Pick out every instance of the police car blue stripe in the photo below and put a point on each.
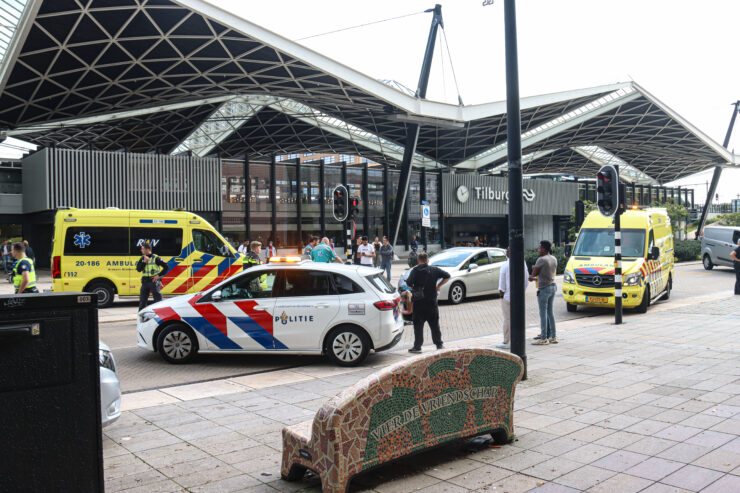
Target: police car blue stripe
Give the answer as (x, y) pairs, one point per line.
(256, 332)
(211, 332)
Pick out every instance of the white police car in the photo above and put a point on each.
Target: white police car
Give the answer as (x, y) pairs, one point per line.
(287, 306)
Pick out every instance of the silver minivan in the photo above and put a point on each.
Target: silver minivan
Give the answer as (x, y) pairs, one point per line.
(716, 245)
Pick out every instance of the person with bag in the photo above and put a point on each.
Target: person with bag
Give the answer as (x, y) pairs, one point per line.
(152, 268)
(424, 282)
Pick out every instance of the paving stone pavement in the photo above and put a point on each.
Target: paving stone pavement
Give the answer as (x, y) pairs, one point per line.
(652, 405)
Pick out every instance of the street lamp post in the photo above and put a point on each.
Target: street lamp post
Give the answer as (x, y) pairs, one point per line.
(516, 214)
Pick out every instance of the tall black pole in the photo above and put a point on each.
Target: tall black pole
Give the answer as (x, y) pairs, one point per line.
(516, 206)
(299, 201)
(247, 199)
(618, 254)
(322, 196)
(273, 202)
(717, 173)
(412, 135)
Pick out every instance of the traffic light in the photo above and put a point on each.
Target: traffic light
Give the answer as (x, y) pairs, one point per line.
(340, 203)
(607, 190)
(354, 207)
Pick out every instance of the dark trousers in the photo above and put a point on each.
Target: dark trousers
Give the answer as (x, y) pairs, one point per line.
(426, 311)
(737, 278)
(148, 286)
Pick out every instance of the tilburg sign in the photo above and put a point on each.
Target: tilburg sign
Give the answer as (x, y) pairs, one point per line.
(490, 193)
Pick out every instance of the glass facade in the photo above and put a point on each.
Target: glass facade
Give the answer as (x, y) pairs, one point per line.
(288, 192)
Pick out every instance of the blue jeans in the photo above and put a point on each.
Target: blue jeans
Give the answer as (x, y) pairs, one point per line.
(7, 263)
(386, 266)
(546, 299)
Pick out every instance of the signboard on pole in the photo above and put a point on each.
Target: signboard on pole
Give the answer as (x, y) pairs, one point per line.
(426, 217)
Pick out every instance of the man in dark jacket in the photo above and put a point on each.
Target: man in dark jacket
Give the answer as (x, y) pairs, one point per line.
(152, 268)
(423, 281)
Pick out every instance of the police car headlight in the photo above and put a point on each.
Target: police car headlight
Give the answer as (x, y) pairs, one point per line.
(106, 360)
(146, 316)
(568, 277)
(632, 279)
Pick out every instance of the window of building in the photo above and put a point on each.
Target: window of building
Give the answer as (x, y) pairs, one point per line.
(346, 158)
(329, 159)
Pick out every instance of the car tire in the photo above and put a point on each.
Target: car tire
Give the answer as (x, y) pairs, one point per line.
(571, 307)
(105, 291)
(457, 293)
(347, 345)
(643, 306)
(177, 344)
(707, 262)
(669, 286)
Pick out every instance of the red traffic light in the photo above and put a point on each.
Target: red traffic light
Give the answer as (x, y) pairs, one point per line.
(603, 177)
(355, 202)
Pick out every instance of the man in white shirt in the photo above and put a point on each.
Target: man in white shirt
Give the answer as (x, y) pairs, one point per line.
(244, 248)
(366, 252)
(504, 288)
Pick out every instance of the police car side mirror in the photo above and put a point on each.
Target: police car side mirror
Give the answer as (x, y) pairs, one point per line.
(472, 266)
(216, 295)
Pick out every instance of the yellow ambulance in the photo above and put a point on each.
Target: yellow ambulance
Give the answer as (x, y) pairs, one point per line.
(647, 261)
(96, 250)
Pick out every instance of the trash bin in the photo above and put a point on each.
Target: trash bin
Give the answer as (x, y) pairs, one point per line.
(50, 393)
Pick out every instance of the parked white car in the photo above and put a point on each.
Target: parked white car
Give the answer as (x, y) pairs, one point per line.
(110, 387)
(474, 271)
(342, 311)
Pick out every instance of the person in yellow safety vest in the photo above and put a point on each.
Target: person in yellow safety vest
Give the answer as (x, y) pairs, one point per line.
(24, 272)
(253, 259)
(152, 268)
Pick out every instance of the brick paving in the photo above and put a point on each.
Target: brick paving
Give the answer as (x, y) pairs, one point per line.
(653, 405)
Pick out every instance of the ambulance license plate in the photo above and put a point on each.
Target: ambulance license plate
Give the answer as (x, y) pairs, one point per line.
(596, 299)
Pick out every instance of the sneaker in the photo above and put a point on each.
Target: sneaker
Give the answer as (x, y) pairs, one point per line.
(440, 346)
(415, 350)
(553, 340)
(541, 342)
(537, 338)
(503, 345)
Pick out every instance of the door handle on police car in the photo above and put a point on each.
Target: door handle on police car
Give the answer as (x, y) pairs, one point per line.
(259, 308)
(321, 305)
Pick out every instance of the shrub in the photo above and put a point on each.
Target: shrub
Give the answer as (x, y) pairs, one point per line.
(685, 250)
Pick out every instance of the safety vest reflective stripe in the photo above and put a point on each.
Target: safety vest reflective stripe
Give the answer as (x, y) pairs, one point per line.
(18, 278)
(151, 268)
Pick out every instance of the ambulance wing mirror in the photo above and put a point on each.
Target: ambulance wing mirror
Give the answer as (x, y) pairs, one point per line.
(568, 250)
(216, 295)
(654, 253)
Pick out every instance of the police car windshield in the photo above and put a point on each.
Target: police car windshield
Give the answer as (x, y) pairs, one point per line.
(599, 242)
(449, 259)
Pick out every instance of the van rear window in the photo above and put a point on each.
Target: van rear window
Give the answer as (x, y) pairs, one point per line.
(83, 240)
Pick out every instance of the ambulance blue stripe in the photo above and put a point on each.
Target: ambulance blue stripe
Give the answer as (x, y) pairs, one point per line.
(151, 221)
(210, 332)
(185, 253)
(256, 332)
(205, 258)
(225, 264)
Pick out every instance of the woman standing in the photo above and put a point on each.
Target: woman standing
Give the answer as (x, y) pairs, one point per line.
(376, 245)
(386, 258)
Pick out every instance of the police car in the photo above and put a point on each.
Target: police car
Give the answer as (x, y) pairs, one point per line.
(288, 306)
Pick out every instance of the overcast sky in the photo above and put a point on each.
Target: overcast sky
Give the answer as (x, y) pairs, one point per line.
(684, 53)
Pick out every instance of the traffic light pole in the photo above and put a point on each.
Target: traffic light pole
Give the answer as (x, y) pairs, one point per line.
(516, 205)
(618, 264)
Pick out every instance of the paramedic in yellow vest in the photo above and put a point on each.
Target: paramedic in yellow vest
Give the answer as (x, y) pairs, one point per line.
(24, 272)
(152, 268)
(252, 260)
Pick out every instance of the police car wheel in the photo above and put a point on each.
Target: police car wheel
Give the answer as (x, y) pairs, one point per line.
(707, 261)
(347, 346)
(105, 292)
(457, 293)
(177, 344)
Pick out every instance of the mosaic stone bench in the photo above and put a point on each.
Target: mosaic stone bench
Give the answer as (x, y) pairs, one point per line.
(414, 405)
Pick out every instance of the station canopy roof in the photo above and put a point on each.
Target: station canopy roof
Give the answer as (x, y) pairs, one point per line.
(172, 76)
